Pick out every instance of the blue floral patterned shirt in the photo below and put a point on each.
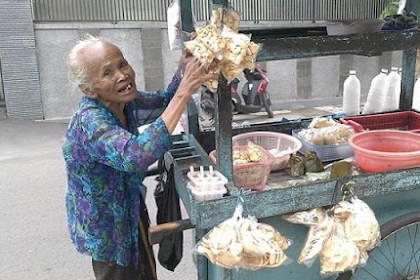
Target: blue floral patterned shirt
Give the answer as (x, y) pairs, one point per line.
(106, 165)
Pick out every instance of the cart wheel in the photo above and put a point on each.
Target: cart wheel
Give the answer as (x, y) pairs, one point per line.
(398, 256)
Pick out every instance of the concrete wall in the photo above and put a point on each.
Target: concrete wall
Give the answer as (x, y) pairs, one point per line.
(319, 81)
(293, 83)
(146, 48)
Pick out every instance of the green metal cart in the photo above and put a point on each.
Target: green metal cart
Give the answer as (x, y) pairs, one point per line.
(394, 196)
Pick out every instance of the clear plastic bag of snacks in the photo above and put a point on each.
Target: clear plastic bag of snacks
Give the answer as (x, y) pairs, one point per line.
(225, 17)
(243, 243)
(263, 246)
(310, 217)
(221, 245)
(320, 226)
(340, 236)
(338, 252)
(360, 225)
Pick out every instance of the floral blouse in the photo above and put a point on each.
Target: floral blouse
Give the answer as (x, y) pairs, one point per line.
(106, 165)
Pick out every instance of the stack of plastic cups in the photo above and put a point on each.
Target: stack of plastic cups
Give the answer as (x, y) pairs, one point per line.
(377, 93)
(392, 99)
(416, 96)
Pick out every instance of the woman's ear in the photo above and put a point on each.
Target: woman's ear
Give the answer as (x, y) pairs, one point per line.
(87, 91)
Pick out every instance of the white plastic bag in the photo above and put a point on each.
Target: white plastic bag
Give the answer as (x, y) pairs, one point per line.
(174, 26)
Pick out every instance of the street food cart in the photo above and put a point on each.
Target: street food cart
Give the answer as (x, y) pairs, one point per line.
(394, 196)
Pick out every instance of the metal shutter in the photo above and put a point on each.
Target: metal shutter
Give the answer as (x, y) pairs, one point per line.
(19, 62)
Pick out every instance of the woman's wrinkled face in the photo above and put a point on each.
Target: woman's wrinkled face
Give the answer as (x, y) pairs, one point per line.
(112, 78)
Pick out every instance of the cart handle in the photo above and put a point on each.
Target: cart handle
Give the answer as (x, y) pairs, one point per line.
(158, 232)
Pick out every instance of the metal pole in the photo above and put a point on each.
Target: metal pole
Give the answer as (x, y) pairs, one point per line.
(186, 17)
(224, 129)
(187, 25)
(202, 262)
(313, 11)
(407, 78)
(413, 6)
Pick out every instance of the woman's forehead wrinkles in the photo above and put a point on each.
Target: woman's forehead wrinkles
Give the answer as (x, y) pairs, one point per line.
(98, 57)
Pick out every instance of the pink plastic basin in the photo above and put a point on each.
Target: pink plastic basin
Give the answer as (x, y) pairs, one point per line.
(382, 150)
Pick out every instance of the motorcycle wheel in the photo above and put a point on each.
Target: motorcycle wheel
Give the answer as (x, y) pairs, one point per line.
(266, 102)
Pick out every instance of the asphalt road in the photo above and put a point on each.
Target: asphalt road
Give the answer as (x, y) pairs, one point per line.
(34, 243)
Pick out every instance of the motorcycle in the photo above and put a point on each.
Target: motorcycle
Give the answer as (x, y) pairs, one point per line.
(252, 98)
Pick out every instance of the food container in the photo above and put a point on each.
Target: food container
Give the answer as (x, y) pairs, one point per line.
(325, 152)
(207, 180)
(205, 185)
(201, 195)
(406, 120)
(279, 145)
(383, 150)
(251, 175)
(345, 27)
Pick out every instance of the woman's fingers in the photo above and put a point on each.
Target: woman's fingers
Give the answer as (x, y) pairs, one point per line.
(193, 35)
(197, 74)
(185, 58)
(212, 76)
(192, 65)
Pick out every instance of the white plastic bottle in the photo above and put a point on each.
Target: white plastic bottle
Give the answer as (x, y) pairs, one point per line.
(351, 95)
(416, 96)
(377, 92)
(392, 99)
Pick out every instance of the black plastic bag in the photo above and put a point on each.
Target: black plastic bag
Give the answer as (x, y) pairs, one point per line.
(168, 210)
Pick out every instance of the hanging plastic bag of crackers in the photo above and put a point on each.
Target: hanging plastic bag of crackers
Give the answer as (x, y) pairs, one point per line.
(240, 53)
(209, 47)
(338, 252)
(243, 243)
(263, 246)
(221, 245)
(320, 226)
(225, 17)
(360, 225)
(326, 238)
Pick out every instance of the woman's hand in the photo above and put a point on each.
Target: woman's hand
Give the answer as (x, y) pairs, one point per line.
(194, 76)
(185, 58)
(186, 55)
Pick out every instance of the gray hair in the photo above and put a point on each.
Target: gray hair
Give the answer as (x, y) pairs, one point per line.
(77, 70)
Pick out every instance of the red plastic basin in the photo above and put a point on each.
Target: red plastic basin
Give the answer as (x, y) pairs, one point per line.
(382, 150)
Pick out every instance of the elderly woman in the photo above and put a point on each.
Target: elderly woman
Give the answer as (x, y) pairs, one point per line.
(107, 158)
